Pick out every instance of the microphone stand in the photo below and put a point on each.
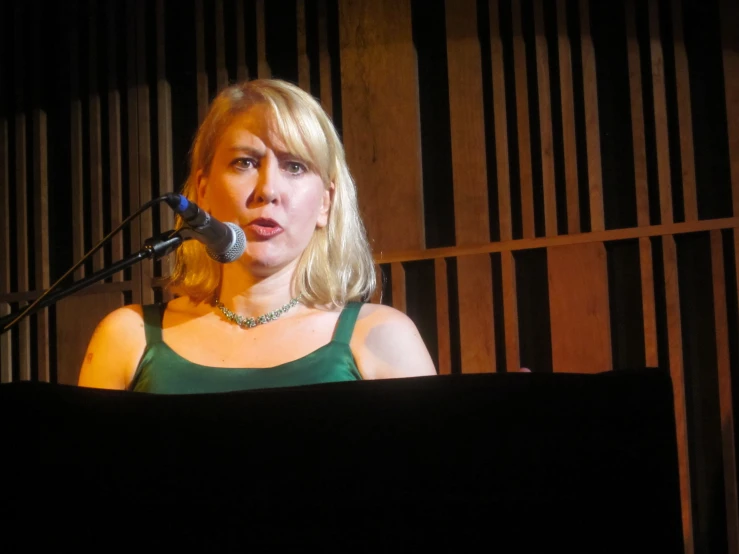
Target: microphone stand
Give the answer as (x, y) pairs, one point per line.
(154, 248)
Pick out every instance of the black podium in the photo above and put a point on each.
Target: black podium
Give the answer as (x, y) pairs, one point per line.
(495, 462)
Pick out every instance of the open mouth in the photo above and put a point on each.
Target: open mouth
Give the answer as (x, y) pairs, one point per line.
(264, 227)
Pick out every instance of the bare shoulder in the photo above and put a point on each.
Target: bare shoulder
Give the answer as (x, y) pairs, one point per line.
(114, 349)
(387, 344)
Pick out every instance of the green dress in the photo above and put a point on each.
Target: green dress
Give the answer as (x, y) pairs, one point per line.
(161, 370)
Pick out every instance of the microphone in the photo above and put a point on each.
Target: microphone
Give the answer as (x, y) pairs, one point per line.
(224, 242)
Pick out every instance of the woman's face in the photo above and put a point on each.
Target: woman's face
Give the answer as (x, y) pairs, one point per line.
(256, 183)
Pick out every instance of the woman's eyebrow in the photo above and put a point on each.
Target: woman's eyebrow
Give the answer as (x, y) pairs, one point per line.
(249, 150)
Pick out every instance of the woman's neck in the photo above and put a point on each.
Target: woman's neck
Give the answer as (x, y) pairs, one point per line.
(251, 295)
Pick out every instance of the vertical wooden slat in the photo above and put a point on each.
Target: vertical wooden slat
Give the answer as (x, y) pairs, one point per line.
(41, 237)
(651, 358)
(730, 41)
(242, 72)
(579, 308)
(263, 69)
(77, 168)
(476, 330)
(443, 332)
(545, 121)
(133, 141)
(324, 60)
(510, 311)
(114, 142)
(6, 353)
(568, 120)
(164, 121)
(378, 56)
(95, 163)
(4, 208)
(6, 349)
(592, 125)
(724, 390)
(677, 374)
(637, 118)
(642, 190)
(660, 116)
(397, 271)
(501, 125)
(202, 74)
(220, 38)
(467, 128)
(469, 170)
(685, 117)
(144, 145)
(510, 301)
(303, 61)
(21, 197)
(524, 131)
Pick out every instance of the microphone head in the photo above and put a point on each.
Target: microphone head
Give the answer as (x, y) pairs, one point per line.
(235, 248)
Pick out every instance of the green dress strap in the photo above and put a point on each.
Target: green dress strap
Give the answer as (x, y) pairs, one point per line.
(153, 317)
(347, 319)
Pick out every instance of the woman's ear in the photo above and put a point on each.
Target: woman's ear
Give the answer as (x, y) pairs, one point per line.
(201, 189)
(326, 200)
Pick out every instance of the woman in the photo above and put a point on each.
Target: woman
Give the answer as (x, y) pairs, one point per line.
(267, 158)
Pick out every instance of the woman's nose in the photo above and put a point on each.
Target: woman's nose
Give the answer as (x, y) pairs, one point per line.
(266, 189)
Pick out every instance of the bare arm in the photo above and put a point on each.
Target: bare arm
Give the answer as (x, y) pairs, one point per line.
(386, 344)
(114, 350)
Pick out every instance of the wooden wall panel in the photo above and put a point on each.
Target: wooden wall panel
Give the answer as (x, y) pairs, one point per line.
(41, 238)
(74, 332)
(21, 231)
(145, 162)
(115, 143)
(302, 53)
(508, 284)
(242, 72)
(592, 120)
(476, 329)
(5, 184)
(443, 331)
(677, 373)
(525, 171)
(725, 391)
(545, 121)
(94, 132)
(642, 187)
(469, 168)
(375, 35)
(569, 143)
(165, 170)
(660, 116)
(6, 349)
(133, 122)
(685, 119)
(201, 73)
(324, 60)
(579, 309)
(501, 123)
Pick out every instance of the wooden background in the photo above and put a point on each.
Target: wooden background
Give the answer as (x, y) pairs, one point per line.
(546, 183)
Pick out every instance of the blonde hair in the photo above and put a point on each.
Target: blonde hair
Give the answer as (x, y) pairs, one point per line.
(336, 266)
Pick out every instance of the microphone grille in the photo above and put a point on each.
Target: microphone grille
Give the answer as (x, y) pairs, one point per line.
(234, 250)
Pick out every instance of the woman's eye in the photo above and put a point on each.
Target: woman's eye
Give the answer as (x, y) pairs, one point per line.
(295, 168)
(245, 163)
